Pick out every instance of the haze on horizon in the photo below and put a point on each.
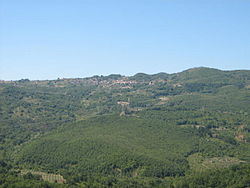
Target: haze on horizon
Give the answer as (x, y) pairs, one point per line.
(51, 39)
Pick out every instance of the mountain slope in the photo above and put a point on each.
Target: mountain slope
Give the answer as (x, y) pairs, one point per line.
(145, 127)
(114, 144)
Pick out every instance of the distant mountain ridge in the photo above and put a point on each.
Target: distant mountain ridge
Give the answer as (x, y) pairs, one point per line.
(195, 70)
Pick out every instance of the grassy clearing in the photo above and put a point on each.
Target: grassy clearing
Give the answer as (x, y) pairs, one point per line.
(199, 163)
(52, 178)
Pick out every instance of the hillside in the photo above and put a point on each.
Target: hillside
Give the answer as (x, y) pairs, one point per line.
(161, 130)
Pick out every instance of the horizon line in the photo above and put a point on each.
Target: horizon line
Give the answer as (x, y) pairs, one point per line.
(105, 75)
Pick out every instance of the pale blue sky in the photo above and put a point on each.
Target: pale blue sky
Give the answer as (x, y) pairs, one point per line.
(47, 39)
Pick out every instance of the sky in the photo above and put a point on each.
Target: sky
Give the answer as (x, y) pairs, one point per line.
(50, 39)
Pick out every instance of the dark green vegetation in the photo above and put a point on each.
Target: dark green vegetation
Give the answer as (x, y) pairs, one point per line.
(189, 129)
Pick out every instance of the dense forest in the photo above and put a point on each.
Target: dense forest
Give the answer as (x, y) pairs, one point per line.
(187, 129)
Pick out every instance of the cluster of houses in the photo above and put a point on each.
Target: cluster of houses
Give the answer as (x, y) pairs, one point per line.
(121, 82)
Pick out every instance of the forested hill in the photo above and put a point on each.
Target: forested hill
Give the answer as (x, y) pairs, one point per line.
(187, 129)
